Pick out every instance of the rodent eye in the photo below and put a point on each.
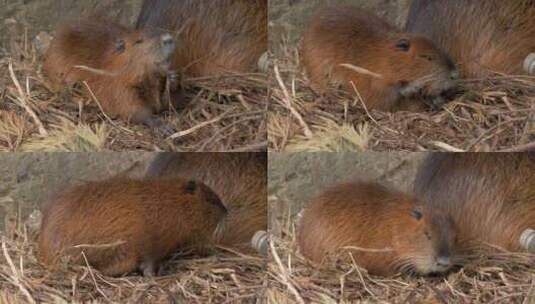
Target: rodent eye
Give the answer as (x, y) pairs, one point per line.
(138, 41)
(416, 214)
(403, 45)
(190, 187)
(120, 46)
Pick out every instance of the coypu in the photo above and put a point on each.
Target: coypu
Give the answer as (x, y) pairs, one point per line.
(393, 232)
(239, 179)
(490, 196)
(391, 70)
(217, 36)
(481, 36)
(122, 224)
(125, 69)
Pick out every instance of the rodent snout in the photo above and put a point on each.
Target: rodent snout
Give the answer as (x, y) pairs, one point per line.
(442, 264)
(167, 40)
(167, 44)
(444, 261)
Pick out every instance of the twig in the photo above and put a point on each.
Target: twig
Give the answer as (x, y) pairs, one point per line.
(16, 274)
(199, 126)
(284, 275)
(22, 99)
(288, 104)
(521, 148)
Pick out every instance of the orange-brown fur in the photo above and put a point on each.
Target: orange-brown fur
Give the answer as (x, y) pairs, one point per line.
(131, 66)
(490, 196)
(412, 68)
(216, 36)
(239, 179)
(483, 37)
(153, 218)
(370, 216)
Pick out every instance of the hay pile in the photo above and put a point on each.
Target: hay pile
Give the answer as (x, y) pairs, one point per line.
(492, 115)
(224, 277)
(225, 114)
(502, 278)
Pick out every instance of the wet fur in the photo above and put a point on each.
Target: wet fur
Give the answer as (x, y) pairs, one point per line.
(239, 179)
(483, 37)
(349, 35)
(153, 218)
(368, 215)
(217, 36)
(490, 196)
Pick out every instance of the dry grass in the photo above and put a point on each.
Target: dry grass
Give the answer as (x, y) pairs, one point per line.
(226, 113)
(501, 278)
(222, 277)
(492, 115)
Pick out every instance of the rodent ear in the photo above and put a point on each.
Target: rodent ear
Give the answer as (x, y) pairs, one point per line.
(120, 46)
(403, 45)
(190, 186)
(417, 214)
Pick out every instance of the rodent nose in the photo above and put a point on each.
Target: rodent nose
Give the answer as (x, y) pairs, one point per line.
(167, 39)
(443, 261)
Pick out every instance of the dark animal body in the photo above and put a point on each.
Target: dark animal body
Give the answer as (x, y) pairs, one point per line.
(126, 70)
(216, 36)
(490, 196)
(239, 179)
(388, 229)
(122, 225)
(482, 37)
(406, 69)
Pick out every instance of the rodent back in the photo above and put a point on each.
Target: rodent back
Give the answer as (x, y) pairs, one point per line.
(489, 197)
(371, 216)
(134, 211)
(481, 36)
(404, 64)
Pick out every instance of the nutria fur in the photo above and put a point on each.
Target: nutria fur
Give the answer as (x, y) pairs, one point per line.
(410, 68)
(239, 179)
(142, 222)
(482, 37)
(217, 36)
(125, 69)
(370, 216)
(490, 196)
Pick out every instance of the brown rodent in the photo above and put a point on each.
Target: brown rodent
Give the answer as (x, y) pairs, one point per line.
(369, 216)
(410, 69)
(216, 36)
(239, 179)
(122, 224)
(490, 196)
(483, 37)
(125, 69)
